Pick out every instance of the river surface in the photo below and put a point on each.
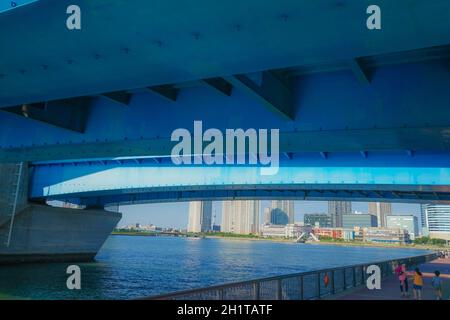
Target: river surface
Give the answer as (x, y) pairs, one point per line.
(134, 266)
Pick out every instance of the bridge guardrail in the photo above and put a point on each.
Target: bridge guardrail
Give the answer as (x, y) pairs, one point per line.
(299, 286)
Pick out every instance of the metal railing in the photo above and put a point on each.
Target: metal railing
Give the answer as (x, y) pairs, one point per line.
(299, 286)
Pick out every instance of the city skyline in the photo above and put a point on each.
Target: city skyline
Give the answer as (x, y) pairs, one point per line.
(175, 214)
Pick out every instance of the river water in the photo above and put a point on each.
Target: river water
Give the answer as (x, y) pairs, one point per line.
(134, 266)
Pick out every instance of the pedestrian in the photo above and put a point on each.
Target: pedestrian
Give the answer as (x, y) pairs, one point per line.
(400, 271)
(436, 282)
(417, 284)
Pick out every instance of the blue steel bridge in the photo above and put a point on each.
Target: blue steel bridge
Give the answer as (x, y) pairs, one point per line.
(363, 114)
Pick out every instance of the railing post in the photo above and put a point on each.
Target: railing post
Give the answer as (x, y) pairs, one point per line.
(318, 285)
(220, 294)
(354, 276)
(301, 288)
(362, 275)
(345, 281)
(279, 292)
(333, 289)
(256, 293)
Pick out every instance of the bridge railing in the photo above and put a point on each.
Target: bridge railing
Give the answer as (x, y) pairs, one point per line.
(299, 286)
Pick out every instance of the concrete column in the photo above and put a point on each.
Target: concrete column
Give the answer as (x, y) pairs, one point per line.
(44, 233)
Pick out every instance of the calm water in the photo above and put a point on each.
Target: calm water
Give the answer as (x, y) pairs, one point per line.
(131, 267)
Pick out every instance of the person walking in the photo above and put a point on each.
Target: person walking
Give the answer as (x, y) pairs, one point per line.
(436, 282)
(400, 271)
(417, 284)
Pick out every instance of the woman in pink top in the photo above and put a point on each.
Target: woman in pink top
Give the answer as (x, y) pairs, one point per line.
(400, 271)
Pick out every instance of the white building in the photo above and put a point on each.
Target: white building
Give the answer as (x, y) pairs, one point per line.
(437, 220)
(199, 216)
(240, 216)
(405, 222)
(287, 231)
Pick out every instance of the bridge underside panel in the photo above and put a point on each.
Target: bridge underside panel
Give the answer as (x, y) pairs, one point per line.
(404, 108)
(395, 177)
(137, 44)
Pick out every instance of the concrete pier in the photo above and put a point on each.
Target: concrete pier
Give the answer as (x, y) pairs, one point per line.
(44, 233)
(37, 232)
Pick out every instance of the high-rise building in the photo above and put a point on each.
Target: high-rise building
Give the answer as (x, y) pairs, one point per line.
(282, 212)
(267, 215)
(438, 220)
(423, 216)
(317, 219)
(350, 221)
(404, 222)
(336, 209)
(199, 216)
(380, 210)
(240, 216)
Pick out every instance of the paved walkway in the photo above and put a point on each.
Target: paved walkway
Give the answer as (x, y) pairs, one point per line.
(390, 289)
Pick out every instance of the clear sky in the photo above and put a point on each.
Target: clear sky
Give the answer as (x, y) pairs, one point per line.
(175, 214)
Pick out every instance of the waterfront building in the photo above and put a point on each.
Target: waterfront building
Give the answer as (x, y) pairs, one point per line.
(386, 235)
(335, 233)
(291, 230)
(199, 216)
(438, 220)
(240, 216)
(317, 219)
(380, 210)
(336, 209)
(405, 222)
(350, 221)
(348, 235)
(294, 230)
(282, 212)
(273, 230)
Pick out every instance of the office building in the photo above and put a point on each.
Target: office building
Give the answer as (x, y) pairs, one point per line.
(386, 235)
(380, 210)
(282, 212)
(267, 215)
(240, 216)
(336, 209)
(350, 221)
(273, 230)
(317, 219)
(286, 231)
(409, 223)
(423, 216)
(438, 220)
(199, 216)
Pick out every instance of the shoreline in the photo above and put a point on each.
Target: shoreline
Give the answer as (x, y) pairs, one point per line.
(282, 240)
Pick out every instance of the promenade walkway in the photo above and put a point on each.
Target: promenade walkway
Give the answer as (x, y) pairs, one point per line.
(390, 289)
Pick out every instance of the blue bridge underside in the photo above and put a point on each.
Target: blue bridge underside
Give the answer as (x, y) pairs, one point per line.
(422, 177)
(362, 114)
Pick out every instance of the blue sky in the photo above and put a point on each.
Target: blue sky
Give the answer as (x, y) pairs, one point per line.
(175, 214)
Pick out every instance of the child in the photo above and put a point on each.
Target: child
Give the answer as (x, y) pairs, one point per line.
(400, 271)
(417, 284)
(436, 282)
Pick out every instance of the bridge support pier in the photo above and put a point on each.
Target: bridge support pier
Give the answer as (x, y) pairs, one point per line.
(41, 233)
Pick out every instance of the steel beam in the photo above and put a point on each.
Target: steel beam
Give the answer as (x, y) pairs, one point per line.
(361, 73)
(70, 114)
(274, 93)
(120, 97)
(168, 92)
(220, 85)
(395, 139)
